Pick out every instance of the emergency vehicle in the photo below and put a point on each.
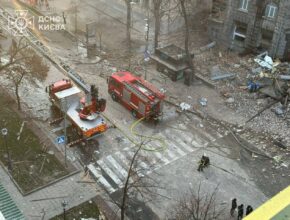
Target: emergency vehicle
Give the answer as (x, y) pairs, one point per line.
(82, 112)
(142, 98)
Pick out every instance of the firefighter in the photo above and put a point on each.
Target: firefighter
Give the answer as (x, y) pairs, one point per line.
(240, 211)
(234, 206)
(204, 162)
(249, 209)
(201, 163)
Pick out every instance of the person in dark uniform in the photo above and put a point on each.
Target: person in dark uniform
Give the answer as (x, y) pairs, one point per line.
(201, 164)
(240, 211)
(234, 206)
(204, 162)
(249, 209)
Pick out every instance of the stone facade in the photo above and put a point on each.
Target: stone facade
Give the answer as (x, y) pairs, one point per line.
(240, 27)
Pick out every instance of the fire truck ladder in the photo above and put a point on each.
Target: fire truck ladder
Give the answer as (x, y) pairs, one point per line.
(12, 28)
(135, 91)
(149, 86)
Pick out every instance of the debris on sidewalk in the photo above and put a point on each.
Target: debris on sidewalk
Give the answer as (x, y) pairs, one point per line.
(184, 106)
(203, 101)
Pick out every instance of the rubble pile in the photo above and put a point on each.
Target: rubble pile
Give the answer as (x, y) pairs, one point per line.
(249, 85)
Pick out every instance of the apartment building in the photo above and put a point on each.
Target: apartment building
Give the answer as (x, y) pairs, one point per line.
(260, 25)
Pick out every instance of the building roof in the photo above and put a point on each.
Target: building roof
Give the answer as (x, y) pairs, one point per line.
(7, 206)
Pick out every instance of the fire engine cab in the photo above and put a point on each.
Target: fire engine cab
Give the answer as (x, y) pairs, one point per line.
(136, 94)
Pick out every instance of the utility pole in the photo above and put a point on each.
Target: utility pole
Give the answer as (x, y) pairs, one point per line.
(64, 204)
(76, 24)
(64, 110)
(4, 132)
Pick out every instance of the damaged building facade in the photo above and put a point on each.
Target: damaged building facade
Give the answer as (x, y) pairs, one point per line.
(259, 25)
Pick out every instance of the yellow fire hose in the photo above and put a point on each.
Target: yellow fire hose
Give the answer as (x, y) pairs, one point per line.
(132, 129)
(159, 139)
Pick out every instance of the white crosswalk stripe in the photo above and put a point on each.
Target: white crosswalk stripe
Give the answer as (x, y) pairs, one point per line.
(179, 144)
(162, 157)
(117, 166)
(141, 164)
(110, 173)
(100, 178)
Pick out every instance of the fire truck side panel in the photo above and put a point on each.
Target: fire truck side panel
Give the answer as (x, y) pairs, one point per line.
(127, 96)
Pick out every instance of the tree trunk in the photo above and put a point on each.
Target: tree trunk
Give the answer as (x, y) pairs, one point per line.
(157, 4)
(186, 40)
(17, 97)
(128, 24)
(125, 192)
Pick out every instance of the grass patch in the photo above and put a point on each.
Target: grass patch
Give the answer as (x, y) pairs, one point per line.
(85, 210)
(32, 167)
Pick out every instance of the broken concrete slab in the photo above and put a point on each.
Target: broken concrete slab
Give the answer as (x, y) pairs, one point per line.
(224, 76)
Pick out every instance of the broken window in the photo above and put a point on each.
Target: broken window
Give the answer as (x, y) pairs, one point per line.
(244, 5)
(271, 10)
(266, 40)
(240, 32)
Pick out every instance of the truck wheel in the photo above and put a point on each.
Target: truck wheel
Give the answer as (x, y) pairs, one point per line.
(114, 97)
(134, 113)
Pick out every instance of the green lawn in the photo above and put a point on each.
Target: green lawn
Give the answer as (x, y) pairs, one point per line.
(32, 167)
(86, 210)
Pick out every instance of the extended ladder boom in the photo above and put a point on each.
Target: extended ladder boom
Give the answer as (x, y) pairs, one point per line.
(40, 47)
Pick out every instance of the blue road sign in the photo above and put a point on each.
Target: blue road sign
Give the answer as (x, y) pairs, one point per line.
(146, 55)
(60, 139)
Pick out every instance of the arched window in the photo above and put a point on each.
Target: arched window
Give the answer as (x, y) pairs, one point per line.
(271, 10)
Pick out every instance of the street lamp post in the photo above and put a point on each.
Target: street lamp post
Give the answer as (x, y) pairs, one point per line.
(64, 110)
(146, 53)
(4, 132)
(64, 204)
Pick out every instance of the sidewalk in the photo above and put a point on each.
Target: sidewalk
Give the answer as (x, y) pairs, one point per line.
(73, 192)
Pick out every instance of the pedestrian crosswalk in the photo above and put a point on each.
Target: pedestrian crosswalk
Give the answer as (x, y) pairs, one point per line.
(111, 171)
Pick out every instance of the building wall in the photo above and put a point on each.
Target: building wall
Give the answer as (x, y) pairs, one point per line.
(260, 36)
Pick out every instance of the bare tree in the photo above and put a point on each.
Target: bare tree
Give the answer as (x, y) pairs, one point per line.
(128, 23)
(32, 67)
(13, 53)
(138, 186)
(157, 20)
(195, 206)
(161, 8)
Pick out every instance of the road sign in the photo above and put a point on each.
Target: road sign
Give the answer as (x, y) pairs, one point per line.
(146, 56)
(60, 139)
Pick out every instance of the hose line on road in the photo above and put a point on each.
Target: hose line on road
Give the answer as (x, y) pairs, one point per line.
(133, 132)
(150, 138)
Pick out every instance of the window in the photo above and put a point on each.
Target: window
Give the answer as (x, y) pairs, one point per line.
(244, 5)
(239, 33)
(271, 11)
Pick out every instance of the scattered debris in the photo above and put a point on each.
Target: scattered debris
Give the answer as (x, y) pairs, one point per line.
(208, 46)
(280, 144)
(278, 158)
(21, 129)
(224, 76)
(230, 100)
(184, 106)
(203, 101)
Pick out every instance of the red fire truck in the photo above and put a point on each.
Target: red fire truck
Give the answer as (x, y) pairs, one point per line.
(82, 112)
(136, 94)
